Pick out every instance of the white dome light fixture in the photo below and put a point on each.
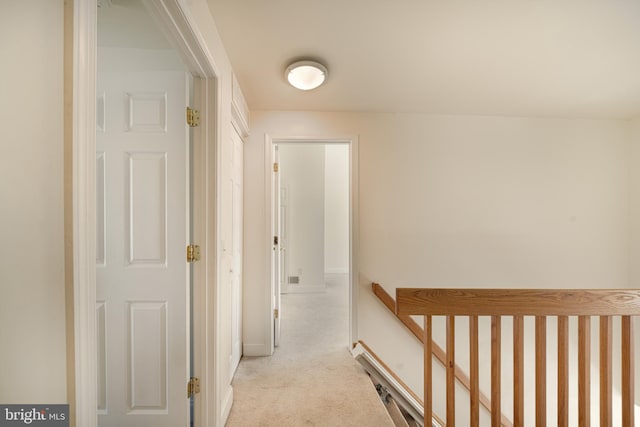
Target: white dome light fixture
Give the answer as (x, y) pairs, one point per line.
(306, 75)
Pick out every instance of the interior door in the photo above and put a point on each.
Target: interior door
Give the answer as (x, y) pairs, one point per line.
(283, 242)
(236, 250)
(142, 276)
(276, 255)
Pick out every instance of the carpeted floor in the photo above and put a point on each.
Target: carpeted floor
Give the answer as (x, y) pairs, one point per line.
(311, 380)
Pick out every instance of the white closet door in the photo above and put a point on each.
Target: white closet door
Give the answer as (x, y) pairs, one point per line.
(142, 276)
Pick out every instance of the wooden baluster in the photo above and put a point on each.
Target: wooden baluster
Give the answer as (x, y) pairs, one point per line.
(428, 389)
(451, 371)
(527, 302)
(438, 353)
(563, 371)
(496, 410)
(584, 371)
(541, 371)
(606, 331)
(518, 371)
(474, 372)
(628, 374)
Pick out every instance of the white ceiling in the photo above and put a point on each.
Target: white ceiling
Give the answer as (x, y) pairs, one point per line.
(558, 58)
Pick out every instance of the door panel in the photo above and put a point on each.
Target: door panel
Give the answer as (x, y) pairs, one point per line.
(141, 273)
(101, 232)
(147, 207)
(237, 165)
(101, 341)
(283, 242)
(148, 357)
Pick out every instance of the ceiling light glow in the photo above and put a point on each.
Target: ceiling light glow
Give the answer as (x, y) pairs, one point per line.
(306, 75)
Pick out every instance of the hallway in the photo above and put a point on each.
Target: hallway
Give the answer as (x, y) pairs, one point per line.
(311, 380)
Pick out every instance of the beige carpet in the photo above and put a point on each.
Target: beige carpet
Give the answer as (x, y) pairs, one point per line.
(311, 380)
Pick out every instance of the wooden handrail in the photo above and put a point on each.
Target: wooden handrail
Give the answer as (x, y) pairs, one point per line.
(540, 304)
(523, 302)
(438, 352)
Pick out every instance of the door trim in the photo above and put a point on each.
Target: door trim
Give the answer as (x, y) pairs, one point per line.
(354, 230)
(80, 137)
(80, 212)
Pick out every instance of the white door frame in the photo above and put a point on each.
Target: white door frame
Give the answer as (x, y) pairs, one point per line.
(276, 260)
(80, 134)
(354, 230)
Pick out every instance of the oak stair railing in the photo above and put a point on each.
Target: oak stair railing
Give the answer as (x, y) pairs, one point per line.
(440, 355)
(541, 304)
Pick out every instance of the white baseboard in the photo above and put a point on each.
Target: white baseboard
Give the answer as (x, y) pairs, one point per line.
(336, 271)
(227, 403)
(255, 350)
(302, 289)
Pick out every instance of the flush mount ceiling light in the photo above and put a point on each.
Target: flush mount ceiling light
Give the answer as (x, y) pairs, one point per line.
(306, 75)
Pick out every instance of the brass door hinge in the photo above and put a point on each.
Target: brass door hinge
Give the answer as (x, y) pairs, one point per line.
(275, 167)
(275, 240)
(193, 386)
(276, 313)
(193, 253)
(193, 117)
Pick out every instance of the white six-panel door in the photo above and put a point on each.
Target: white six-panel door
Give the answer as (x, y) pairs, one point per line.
(142, 283)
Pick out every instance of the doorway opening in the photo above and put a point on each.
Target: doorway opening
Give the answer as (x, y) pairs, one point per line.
(313, 255)
(180, 28)
(143, 222)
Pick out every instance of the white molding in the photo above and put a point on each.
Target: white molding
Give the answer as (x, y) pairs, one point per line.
(269, 302)
(83, 147)
(252, 350)
(227, 403)
(335, 271)
(354, 239)
(239, 109)
(199, 216)
(305, 289)
(354, 227)
(174, 19)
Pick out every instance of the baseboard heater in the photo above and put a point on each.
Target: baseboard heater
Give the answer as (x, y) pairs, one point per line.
(380, 373)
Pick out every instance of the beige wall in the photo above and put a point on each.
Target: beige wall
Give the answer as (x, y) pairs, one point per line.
(461, 201)
(32, 310)
(634, 197)
(302, 168)
(336, 209)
